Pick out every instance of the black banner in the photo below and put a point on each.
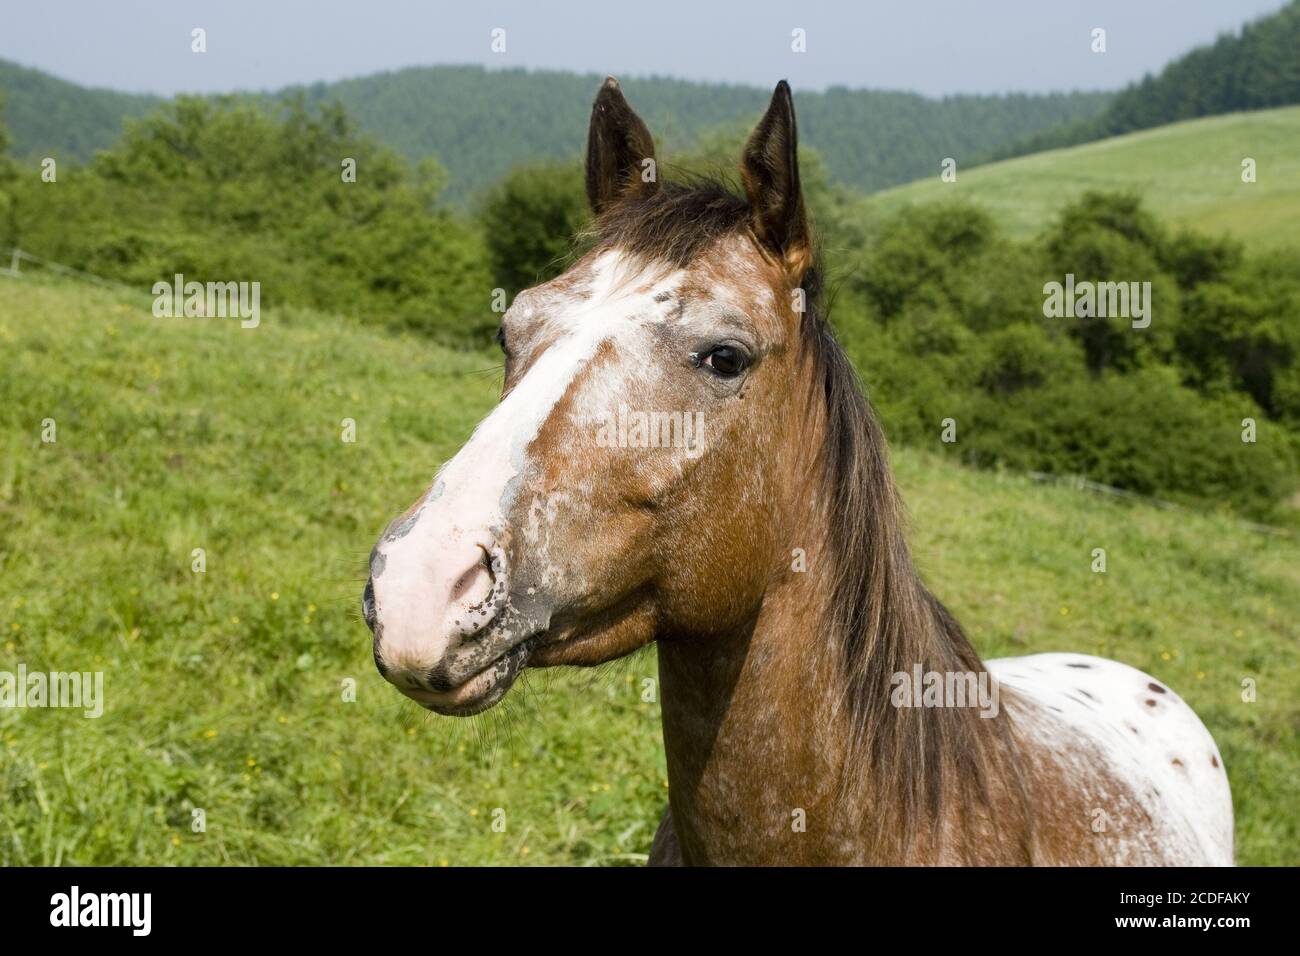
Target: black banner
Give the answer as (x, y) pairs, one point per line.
(336, 905)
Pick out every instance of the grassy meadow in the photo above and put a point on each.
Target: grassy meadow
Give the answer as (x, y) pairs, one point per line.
(1188, 173)
(225, 689)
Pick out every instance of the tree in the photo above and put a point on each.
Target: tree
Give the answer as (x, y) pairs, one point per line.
(529, 222)
(1111, 238)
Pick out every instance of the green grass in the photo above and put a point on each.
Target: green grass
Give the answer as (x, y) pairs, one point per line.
(1188, 173)
(224, 689)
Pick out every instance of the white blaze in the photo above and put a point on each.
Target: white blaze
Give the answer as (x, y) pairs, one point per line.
(426, 557)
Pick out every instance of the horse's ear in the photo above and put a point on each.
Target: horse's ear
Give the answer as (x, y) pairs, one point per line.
(620, 150)
(770, 171)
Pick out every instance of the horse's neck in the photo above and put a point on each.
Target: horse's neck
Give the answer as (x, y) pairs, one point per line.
(754, 740)
(758, 741)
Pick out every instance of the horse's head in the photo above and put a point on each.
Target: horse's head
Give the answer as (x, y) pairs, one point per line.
(635, 479)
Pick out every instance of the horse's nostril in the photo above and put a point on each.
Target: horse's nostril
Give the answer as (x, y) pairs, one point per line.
(368, 604)
(474, 587)
(478, 594)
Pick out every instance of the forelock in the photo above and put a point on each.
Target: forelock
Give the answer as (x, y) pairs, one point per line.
(676, 224)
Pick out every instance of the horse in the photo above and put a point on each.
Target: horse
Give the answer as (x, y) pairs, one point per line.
(764, 555)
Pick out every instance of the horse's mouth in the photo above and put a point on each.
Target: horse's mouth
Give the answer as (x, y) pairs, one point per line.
(481, 691)
(560, 643)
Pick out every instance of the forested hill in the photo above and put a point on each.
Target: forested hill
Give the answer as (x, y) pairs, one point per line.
(1256, 69)
(480, 123)
(47, 116)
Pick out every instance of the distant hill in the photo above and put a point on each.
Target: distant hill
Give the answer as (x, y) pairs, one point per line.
(479, 123)
(48, 116)
(1189, 173)
(1256, 69)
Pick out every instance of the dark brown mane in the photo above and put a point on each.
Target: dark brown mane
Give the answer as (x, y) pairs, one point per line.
(921, 761)
(924, 762)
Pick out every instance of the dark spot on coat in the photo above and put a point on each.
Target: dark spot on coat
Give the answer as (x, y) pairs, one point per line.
(1087, 695)
(438, 680)
(1176, 762)
(1150, 702)
(1214, 760)
(403, 527)
(1157, 688)
(1080, 666)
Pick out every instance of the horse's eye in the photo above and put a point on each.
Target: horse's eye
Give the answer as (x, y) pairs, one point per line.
(726, 361)
(501, 339)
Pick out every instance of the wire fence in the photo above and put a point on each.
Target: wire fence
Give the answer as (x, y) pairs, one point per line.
(1086, 484)
(18, 256)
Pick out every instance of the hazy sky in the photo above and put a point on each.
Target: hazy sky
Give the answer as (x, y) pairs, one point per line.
(932, 46)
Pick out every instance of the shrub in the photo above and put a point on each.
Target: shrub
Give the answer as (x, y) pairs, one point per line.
(224, 190)
(1143, 432)
(1024, 356)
